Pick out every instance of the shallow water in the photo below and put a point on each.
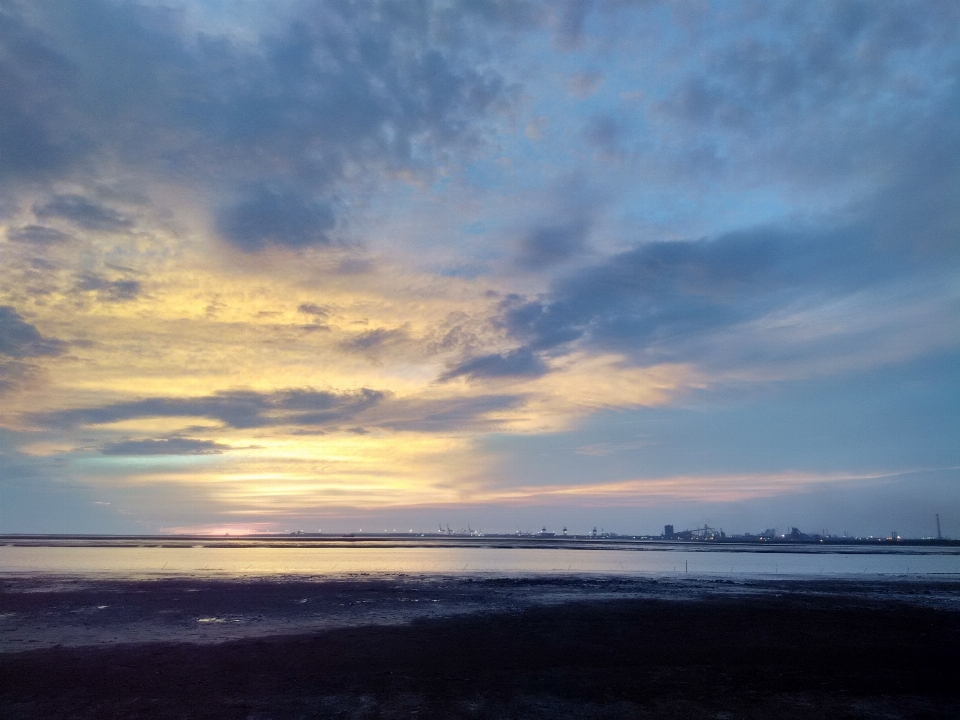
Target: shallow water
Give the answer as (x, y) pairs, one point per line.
(337, 561)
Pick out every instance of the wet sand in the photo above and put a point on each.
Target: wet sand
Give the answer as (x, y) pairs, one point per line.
(391, 647)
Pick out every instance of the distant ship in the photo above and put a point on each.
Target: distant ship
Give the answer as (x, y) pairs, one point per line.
(544, 534)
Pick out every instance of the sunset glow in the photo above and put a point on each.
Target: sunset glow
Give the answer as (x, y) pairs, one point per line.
(267, 266)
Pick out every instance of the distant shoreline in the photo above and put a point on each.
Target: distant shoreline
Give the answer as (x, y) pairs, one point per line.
(610, 541)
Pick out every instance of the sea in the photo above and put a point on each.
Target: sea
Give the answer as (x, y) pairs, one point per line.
(199, 558)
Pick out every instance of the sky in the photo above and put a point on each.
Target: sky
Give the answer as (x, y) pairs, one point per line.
(348, 265)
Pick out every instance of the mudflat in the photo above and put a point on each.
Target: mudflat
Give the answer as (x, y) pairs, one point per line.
(402, 647)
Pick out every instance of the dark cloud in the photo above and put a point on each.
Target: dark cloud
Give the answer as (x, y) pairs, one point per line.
(375, 340)
(31, 73)
(516, 363)
(571, 21)
(238, 409)
(681, 300)
(165, 446)
(265, 216)
(110, 290)
(541, 323)
(554, 244)
(811, 92)
(20, 339)
(456, 333)
(83, 212)
(813, 56)
(331, 103)
(318, 311)
(37, 235)
(304, 411)
(603, 132)
(651, 300)
(15, 374)
(919, 208)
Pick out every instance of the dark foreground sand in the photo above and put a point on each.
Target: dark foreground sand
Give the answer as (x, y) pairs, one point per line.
(478, 648)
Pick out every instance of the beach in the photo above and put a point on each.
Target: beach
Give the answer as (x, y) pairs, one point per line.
(478, 647)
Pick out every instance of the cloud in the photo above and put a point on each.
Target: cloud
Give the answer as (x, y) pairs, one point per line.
(20, 339)
(871, 273)
(281, 131)
(110, 290)
(317, 311)
(584, 84)
(673, 300)
(31, 70)
(572, 17)
(14, 373)
(515, 363)
(553, 244)
(603, 132)
(374, 341)
(780, 192)
(265, 216)
(83, 212)
(298, 411)
(237, 409)
(445, 415)
(165, 446)
(37, 235)
(804, 93)
(810, 59)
